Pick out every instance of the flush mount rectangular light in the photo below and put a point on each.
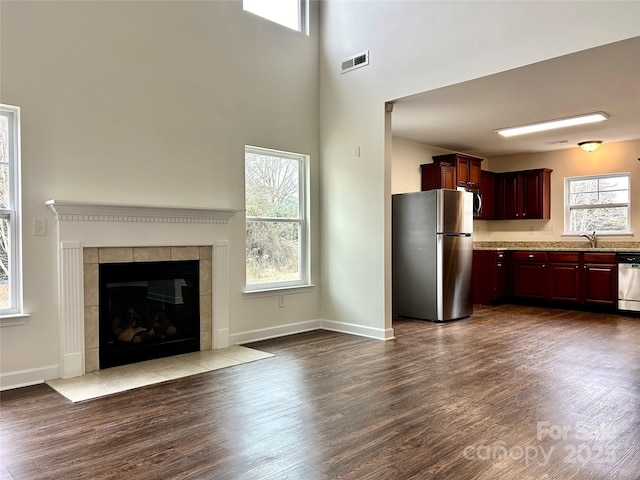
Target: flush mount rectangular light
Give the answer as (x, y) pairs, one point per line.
(552, 124)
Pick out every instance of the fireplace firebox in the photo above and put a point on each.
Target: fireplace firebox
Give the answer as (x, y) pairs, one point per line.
(148, 310)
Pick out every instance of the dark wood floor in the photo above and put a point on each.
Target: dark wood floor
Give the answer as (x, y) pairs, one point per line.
(511, 393)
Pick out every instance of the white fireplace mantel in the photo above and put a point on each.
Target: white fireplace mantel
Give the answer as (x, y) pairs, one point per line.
(90, 224)
(66, 210)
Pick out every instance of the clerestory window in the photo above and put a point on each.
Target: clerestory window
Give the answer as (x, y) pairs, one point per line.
(288, 13)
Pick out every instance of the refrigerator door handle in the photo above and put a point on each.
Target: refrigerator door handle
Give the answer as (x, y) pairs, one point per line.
(455, 234)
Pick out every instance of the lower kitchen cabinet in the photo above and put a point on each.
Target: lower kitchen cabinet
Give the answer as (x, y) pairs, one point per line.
(600, 273)
(583, 279)
(529, 275)
(490, 274)
(564, 277)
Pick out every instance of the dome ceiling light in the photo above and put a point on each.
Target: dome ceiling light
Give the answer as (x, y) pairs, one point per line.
(590, 145)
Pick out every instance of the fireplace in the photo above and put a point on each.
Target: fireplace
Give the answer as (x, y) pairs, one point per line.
(148, 310)
(91, 234)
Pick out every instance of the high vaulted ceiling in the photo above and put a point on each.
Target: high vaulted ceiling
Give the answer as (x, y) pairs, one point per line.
(463, 117)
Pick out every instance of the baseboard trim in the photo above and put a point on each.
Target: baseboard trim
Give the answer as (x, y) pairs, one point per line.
(301, 327)
(26, 378)
(273, 332)
(359, 330)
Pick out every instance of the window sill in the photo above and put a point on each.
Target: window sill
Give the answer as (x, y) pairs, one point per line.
(599, 235)
(278, 291)
(13, 319)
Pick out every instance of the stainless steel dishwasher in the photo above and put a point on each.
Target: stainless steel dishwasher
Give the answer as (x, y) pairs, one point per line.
(629, 281)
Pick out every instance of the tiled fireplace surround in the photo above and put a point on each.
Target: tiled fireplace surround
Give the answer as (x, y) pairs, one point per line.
(89, 234)
(94, 256)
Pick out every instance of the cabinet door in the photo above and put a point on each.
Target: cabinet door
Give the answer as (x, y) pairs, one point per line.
(448, 177)
(488, 189)
(437, 175)
(564, 282)
(462, 170)
(502, 269)
(600, 284)
(530, 280)
(512, 200)
(475, 173)
(536, 200)
(531, 195)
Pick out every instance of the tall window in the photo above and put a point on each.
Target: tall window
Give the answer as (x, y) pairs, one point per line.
(10, 262)
(597, 203)
(289, 13)
(277, 240)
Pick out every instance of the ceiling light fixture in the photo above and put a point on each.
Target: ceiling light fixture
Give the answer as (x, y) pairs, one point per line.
(590, 145)
(552, 124)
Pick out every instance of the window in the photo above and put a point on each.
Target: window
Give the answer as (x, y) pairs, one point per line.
(275, 194)
(597, 203)
(289, 13)
(10, 260)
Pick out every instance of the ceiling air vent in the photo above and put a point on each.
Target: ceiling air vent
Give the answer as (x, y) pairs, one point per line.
(355, 61)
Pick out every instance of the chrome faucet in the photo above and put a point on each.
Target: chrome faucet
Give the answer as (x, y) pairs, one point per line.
(591, 238)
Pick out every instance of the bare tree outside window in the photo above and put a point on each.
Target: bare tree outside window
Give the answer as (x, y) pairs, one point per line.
(274, 217)
(4, 219)
(598, 203)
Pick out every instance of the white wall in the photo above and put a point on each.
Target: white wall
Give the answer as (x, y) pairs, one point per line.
(407, 156)
(415, 47)
(152, 103)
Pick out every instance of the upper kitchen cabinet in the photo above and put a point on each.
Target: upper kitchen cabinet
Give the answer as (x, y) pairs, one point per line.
(524, 194)
(467, 168)
(488, 189)
(438, 175)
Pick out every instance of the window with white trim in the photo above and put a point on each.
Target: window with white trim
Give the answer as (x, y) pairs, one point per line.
(276, 220)
(598, 203)
(10, 255)
(288, 13)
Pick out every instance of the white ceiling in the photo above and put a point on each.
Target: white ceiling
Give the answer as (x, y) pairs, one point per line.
(463, 117)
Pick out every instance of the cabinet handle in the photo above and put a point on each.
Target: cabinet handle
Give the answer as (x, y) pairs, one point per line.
(531, 256)
(517, 214)
(576, 267)
(585, 267)
(543, 265)
(498, 265)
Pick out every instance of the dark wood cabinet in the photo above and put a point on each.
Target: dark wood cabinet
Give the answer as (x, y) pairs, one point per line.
(600, 279)
(524, 194)
(529, 275)
(467, 168)
(490, 274)
(510, 196)
(581, 278)
(564, 276)
(488, 189)
(437, 175)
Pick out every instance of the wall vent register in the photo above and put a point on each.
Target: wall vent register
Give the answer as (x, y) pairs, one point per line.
(355, 61)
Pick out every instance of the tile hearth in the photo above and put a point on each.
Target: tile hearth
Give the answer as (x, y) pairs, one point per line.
(126, 377)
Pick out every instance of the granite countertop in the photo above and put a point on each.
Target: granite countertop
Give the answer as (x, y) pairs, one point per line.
(579, 246)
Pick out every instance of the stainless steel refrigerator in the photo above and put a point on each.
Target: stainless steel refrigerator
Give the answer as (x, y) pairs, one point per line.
(432, 252)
